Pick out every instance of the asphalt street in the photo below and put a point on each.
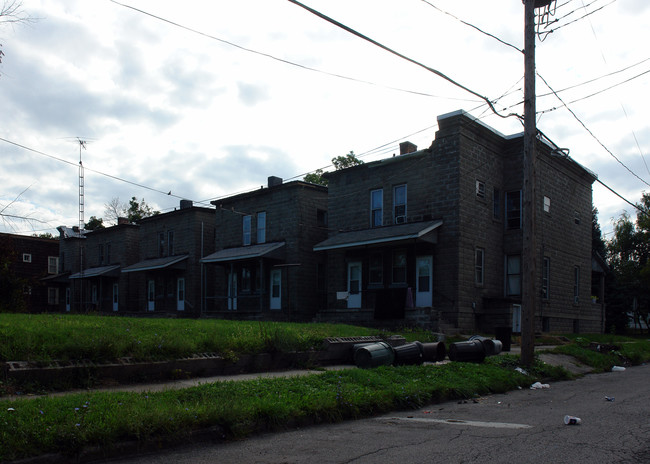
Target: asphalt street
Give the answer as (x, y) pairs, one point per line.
(523, 426)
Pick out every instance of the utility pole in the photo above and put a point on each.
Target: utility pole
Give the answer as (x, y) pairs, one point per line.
(529, 250)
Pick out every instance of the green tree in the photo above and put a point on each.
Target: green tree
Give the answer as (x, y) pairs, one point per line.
(139, 210)
(347, 161)
(94, 223)
(629, 258)
(316, 177)
(339, 162)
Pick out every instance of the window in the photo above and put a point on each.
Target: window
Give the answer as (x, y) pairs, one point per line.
(479, 263)
(576, 284)
(246, 227)
(161, 244)
(496, 204)
(52, 296)
(547, 205)
(513, 275)
(261, 227)
(101, 253)
(170, 243)
(576, 217)
(480, 189)
(376, 269)
(27, 258)
(513, 210)
(399, 267)
(546, 273)
(399, 204)
(321, 218)
(376, 208)
(246, 280)
(52, 264)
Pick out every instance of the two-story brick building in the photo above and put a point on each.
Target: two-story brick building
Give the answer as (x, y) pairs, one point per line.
(264, 263)
(168, 277)
(434, 237)
(25, 264)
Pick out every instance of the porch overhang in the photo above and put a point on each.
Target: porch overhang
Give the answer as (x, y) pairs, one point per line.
(245, 252)
(421, 231)
(102, 271)
(156, 264)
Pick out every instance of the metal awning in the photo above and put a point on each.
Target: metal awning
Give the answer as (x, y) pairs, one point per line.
(155, 264)
(246, 252)
(425, 231)
(107, 271)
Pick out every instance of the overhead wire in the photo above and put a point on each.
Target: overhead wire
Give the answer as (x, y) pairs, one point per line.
(276, 58)
(404, 57)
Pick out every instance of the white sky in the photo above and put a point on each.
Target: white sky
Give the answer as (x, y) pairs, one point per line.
(215, 110)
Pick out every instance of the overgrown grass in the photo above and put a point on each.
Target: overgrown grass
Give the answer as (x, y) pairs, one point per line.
(67, 424)
(43, 338)
(631, 350)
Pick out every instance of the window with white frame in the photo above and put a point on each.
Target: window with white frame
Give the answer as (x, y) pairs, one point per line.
(480, 189)
(513, 210)
(576, 284)
(479, 265)
(546, 277)
(261, 227)
(52, 264)
(513, 275)
(27, 258)
(547, 205)
(246, 230)
(376, 208)
(399, 204)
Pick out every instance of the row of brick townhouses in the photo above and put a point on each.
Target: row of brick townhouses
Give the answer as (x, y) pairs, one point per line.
(430, 237)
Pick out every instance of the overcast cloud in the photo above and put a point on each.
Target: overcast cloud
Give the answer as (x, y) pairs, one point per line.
(234, 92)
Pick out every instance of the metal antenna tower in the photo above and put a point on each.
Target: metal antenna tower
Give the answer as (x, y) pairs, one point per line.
(82, 144)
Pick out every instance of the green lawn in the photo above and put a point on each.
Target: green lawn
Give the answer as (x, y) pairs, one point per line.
(42, 338)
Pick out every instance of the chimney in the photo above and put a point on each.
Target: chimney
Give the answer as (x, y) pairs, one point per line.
(274, 181)
(407, 147)
(185, 204)
(122, 221)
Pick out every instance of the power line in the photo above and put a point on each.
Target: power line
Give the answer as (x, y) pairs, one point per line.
(404, 57)
(281, 60)
(591, 133)
(473, 26)
(110, 176)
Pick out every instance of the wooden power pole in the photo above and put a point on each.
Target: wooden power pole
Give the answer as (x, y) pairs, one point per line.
(529, 250)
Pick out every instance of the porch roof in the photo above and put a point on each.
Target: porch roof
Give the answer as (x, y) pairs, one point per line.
(245, 252)
(379, 235)
(155, 264)
(96, 272)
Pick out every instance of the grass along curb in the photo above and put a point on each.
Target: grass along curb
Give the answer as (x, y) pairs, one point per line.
(70, 426)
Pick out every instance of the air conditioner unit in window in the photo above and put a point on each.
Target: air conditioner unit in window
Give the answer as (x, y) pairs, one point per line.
(400, 219)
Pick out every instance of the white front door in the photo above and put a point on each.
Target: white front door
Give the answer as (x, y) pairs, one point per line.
(151, 295)
(424, 282)
(115, 296)
(67, 299)
(354, 284)
(516, 318)
(180, 294)
(276, 289)
(232, 290)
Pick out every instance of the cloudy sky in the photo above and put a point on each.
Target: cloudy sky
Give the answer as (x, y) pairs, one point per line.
(208, 99)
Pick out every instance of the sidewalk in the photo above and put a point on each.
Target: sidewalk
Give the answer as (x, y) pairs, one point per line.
(568, 362)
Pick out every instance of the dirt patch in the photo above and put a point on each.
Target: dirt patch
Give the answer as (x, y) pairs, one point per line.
(570, 363)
